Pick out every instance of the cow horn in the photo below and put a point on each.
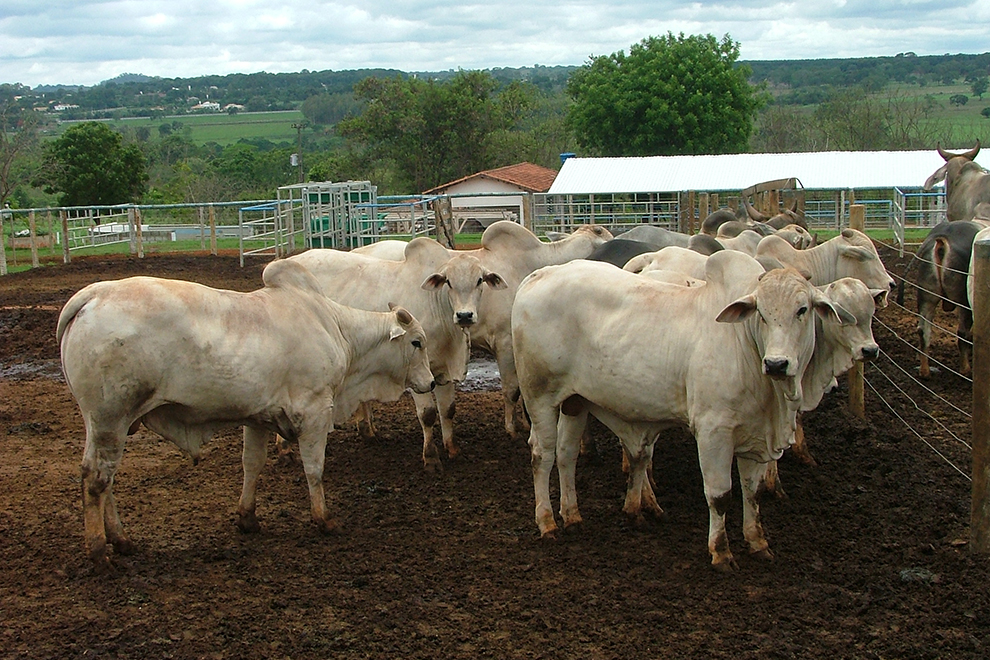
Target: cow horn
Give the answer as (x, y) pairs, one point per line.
(968, 155)
(754, 215)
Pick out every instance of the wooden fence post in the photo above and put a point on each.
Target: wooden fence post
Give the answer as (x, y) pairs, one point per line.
(979, 527)
(3, 249)
(32, 228)
(66, 256)
(857, 398)
(213, 231)
(138, 233)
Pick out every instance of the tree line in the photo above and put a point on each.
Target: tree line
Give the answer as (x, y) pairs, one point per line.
(669, 94)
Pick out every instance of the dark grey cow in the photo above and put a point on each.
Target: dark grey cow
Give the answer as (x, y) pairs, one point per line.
(967, 185)
(942, 264)
(619, 250)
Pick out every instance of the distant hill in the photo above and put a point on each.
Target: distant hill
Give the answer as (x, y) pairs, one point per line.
(791, 81)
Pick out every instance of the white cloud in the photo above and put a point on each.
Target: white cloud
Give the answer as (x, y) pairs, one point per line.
(83, 42)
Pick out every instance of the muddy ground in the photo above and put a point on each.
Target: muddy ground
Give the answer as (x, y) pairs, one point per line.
(871, 553)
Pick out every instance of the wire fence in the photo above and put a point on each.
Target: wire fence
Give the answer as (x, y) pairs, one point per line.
(938, 410)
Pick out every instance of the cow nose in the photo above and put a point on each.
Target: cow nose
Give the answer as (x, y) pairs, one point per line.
(465, 318)
(433, 384)
(775, 366)
(871, 352)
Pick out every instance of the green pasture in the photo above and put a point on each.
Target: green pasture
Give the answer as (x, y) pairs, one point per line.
(221, 128)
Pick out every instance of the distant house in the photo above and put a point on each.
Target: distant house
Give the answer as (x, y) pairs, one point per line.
(206, 106)
(235, 107)
(482, 198)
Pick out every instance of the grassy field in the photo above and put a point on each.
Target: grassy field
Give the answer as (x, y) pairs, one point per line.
(222, 128)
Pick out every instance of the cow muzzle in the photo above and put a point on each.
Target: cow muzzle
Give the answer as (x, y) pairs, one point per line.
(776, 367)
(424, 389)
(465, 319)
(869, 353)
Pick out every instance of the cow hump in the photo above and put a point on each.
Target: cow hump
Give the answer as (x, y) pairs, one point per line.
(508, 235)
(283, 273)
(425, 250)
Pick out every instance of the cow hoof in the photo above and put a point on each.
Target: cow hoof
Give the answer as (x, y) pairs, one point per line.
(452, 451)
(98, 557)
(248, 523)
(573, 526)
(124, 547)
(432, 465)
(638, 521)
(550, 535)
(330, 526)
(763, 554)
(727, 565)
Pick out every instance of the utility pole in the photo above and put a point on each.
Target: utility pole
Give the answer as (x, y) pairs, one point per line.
(299, 159)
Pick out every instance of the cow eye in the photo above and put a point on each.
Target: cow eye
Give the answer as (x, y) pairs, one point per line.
(480, 280)
(802, 311)
(417, 343)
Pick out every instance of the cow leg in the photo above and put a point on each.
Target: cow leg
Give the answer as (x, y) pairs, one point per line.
(751, 473)
(253, 458)
(570, 430)
(312, 449)
(964, 339)
(445, 402)
(771, 481)
(426, 411)
(514, 423)
(101, 457)
(639, 493)
(800, 447)
(543, 447)
(115, 530)
(926, 312)
(365, 421)
(715, 457)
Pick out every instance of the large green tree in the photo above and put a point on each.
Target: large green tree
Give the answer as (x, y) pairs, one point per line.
(91, 165)
(434, 131)
(669, 95)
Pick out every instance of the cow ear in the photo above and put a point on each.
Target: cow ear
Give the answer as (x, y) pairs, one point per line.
(401, 314)
(939, 175)
(435, 282)
(738, 311)
(769, 263)
(554, 236)
(857, 252)
(396, 332)
(879, 296)
(830, 310)
(495, 281)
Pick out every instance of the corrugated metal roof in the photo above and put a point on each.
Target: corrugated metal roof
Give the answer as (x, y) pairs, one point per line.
(820, 170)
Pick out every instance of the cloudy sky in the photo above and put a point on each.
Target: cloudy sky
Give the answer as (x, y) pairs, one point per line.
(81, 42)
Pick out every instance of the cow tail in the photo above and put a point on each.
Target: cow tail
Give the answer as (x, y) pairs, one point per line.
(69, 312)
(940, 255)
(900, 283)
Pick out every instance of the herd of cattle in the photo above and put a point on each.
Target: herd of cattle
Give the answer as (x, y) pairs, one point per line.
(731, 333)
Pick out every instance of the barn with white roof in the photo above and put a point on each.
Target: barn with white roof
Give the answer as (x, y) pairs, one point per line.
(666, 190)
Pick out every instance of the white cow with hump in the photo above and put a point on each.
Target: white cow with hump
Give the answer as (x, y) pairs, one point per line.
(187, 360)
(513, 252)
(443, 290)
(725, 359)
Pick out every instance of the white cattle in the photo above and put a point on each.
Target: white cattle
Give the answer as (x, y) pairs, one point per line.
(837, 347)
(187, 360)
(850, 254)
(726, 360)
(390, 248)
(443, 290)
(514, 252)
(745, 242)
(673, 258)
(982, 235)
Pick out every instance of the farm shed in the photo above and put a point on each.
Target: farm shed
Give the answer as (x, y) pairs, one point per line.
(482, 198)
(679, 191)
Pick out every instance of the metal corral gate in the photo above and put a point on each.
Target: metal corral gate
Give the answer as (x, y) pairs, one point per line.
(327, 215)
